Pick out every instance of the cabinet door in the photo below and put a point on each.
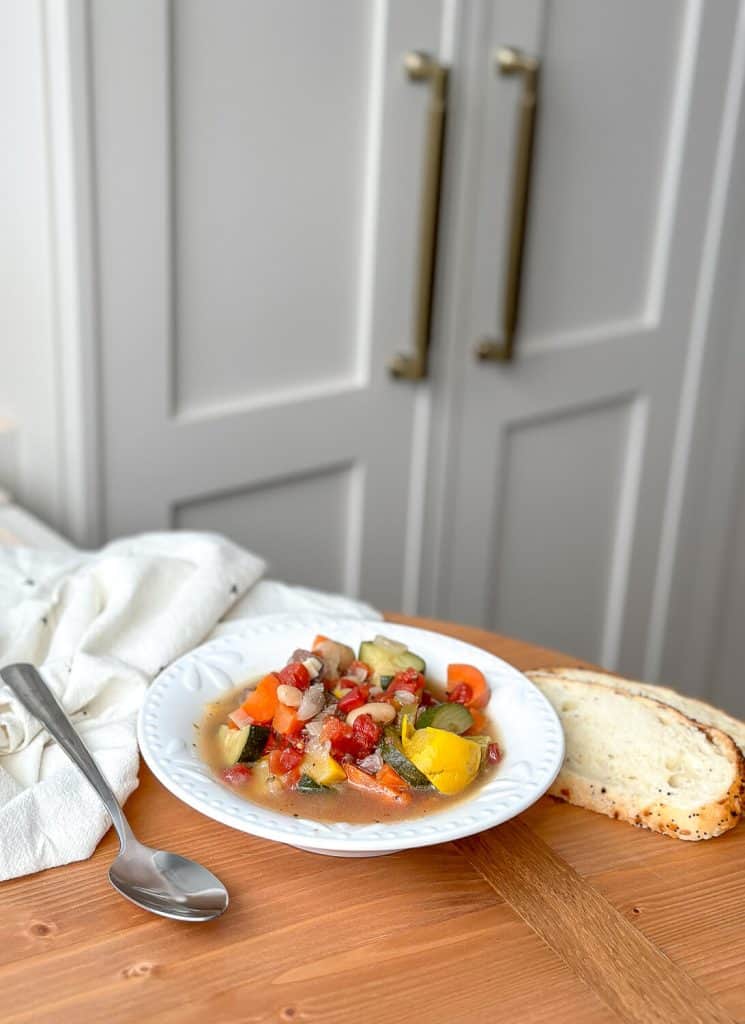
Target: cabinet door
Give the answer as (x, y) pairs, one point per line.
(259, 179)
(562, 459)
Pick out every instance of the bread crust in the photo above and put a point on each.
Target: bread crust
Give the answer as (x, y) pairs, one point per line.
(663, 816)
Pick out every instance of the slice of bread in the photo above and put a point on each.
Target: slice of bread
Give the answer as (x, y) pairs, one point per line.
(691, 706)
(642, 761)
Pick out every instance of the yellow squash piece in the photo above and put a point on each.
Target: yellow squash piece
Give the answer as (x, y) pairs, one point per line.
(323, 769)
(450, 762)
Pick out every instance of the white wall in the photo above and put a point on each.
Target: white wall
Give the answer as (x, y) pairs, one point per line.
(28, 367)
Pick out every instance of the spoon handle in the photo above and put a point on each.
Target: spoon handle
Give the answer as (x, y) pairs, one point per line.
(38, 699)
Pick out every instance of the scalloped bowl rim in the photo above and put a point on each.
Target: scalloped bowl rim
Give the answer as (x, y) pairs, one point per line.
(530, 730)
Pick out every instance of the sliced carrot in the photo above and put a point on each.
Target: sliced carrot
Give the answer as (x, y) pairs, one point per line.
(471, 676)
(480, 723)
(391, 779)
(262, 702)
(286, 721)
(376, 786)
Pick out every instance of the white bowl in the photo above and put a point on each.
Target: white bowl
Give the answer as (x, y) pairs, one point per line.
(532, 736)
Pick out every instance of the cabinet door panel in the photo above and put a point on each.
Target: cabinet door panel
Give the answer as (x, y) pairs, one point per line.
(557, 516)
(258, 191)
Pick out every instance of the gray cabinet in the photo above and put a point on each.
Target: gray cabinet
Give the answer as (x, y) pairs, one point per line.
(237, 222)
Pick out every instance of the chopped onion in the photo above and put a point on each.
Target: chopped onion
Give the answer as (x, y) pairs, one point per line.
(313, 701)
(314, 666)
(372, 763)
(404, 697)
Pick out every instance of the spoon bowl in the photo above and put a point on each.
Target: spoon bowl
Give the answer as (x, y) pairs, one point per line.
(161, 882)
(167, 884)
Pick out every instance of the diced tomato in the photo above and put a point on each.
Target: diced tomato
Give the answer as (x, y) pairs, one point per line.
(295, 674)
(461, 694)
(359, 671)
(340, 736)
(410, 680)
(354, 699)
(282, 761)
(356, 740)
(236, 774)
(427, 699)
(493, 753)
(367, 734)
(474, 679)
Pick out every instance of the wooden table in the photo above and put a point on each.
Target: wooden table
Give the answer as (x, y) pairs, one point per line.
(558, 916)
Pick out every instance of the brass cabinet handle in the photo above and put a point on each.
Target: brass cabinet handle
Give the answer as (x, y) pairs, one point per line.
(422, 67)
(512, 62)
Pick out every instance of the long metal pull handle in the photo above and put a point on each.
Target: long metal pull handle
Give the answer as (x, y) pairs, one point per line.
(422, 67)
(512, 62)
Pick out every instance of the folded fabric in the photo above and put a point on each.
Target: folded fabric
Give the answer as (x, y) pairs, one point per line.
(100, 627)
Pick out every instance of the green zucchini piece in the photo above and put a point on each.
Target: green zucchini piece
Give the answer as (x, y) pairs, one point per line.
(395, 757)
(242, 746)
(255, 742)
(451, 717)
(308, 785)
(386, 662)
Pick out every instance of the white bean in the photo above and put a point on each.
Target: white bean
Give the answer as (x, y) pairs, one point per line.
(378, 711)
(289, 695)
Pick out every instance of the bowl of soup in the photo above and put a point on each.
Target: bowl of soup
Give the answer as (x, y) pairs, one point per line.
(349, 737)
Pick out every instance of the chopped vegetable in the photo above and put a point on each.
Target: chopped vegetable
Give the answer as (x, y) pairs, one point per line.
(286, 721)
(295, 674)
(395, 757)
(452, 717)
(493, 753)
(474, 679)
(323, 769)
(386, 658)
(261, 703)
(336, 657)
(360, 671)
(461, 694)
(284, 760)
(243, 745)
(237, 774)
(385, 784)
(308, 785)
(450, 762)
(354, 699)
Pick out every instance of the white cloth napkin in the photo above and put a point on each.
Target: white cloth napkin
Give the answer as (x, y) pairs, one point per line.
(100, 626)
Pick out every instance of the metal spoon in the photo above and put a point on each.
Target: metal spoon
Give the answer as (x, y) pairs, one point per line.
(163, 883)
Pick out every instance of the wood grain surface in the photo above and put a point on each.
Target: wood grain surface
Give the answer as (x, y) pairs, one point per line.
(558, 916)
